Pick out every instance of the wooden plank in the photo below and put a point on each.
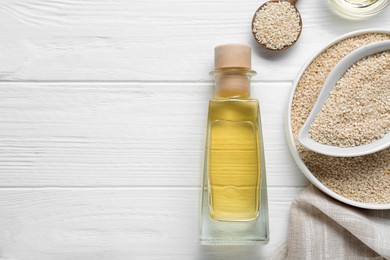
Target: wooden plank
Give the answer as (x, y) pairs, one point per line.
(147, 40)
(122, 134)
(120, 223)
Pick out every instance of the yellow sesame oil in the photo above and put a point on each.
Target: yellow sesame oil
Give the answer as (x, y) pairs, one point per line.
(358, 9)
(233, 159)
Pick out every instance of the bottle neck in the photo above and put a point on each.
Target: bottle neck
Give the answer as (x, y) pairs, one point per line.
(232, 82)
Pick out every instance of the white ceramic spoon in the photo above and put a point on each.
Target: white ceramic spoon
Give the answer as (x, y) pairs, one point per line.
(304, 135)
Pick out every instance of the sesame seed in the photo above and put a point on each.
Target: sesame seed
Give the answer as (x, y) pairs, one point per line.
(357, 111)
(276, 25)
(364, 178)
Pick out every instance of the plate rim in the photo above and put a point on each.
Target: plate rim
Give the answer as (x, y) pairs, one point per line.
(290, 138)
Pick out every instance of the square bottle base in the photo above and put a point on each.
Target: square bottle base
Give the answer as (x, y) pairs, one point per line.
(214, 232)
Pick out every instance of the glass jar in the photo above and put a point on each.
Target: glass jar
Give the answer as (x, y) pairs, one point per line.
(358, 9)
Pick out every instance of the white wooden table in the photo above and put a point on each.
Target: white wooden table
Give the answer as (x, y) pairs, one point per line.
(102, 118)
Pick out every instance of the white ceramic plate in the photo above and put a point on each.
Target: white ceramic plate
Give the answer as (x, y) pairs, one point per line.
(290, 137)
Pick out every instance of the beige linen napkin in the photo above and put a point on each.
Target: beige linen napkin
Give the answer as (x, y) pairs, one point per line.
(324, 228)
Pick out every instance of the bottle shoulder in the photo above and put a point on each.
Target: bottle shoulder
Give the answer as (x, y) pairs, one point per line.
(234, 110)
(234, 103)
(234, 100)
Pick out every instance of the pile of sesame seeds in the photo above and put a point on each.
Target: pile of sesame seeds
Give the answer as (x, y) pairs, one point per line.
(364, 178)
(276, 25)
(358, 109)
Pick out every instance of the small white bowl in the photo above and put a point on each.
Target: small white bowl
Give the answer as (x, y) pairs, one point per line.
(290, 137)
(338, 71)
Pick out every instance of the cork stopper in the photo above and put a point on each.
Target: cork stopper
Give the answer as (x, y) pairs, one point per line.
(232, 83)
(232, 56)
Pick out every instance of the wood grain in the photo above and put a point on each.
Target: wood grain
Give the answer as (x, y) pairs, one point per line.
(102, 117)
(122, 134)
(146, 40)
(121, 223)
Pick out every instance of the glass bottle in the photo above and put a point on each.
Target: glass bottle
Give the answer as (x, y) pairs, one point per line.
(234, 194)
